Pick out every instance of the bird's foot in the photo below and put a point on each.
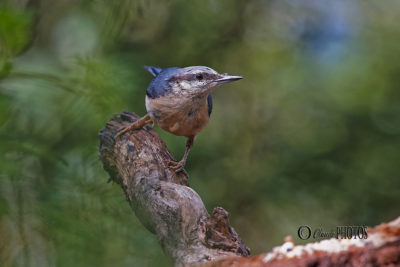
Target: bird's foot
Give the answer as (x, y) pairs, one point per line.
(176, 166)
(124, 129)
(140, 123)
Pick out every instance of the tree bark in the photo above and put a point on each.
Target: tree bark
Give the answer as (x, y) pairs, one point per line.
(175, 213)
(162, 199)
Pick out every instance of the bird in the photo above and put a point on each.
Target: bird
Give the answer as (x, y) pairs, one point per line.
(178, 100)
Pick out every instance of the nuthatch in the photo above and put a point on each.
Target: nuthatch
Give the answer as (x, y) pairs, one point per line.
(179, 101)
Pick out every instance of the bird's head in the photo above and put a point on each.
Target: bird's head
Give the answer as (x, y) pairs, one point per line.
(191, 81)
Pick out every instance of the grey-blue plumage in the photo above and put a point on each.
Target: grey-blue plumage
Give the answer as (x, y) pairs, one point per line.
(160, 84)
(209, 104)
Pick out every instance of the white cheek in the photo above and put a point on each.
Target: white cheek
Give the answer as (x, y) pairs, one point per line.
(148, 105)
(176, 87)
(191, 86)
(186, 85)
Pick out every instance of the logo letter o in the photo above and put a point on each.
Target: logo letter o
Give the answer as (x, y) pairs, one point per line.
(304, 232)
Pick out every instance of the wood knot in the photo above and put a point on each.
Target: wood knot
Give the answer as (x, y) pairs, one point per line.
(218, 233)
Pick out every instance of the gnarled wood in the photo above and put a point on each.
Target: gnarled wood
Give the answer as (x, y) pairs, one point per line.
(162, 199)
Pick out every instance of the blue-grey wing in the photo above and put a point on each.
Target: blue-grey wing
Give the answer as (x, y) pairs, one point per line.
(209, 104)
(160, 85)
(153, 70)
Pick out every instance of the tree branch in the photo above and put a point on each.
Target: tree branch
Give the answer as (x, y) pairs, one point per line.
(161, 198)
(167, 207)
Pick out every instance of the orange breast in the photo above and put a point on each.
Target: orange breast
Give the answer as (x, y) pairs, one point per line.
(179, 116)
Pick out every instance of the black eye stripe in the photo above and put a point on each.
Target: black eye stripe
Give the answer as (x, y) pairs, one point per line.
(193, 77)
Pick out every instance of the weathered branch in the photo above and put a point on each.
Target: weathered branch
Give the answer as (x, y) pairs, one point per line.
(167, 207)
(161, 198)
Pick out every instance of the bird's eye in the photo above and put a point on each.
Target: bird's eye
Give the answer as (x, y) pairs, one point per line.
(199, 76)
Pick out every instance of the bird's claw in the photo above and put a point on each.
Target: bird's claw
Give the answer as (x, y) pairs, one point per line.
(176, 166)
(121, 131)
(135, 125)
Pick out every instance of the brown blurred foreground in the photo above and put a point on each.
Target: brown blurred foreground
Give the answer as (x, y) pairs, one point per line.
(381, 248)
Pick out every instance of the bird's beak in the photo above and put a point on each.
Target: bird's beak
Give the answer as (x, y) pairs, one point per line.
(228, 78)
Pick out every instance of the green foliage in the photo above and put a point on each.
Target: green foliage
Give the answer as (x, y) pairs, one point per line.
(309, 137)
(14, 30)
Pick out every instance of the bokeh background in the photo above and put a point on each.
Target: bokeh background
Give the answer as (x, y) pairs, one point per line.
(311, 136)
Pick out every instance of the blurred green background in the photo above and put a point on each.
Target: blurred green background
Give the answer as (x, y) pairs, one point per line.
(311, 136)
